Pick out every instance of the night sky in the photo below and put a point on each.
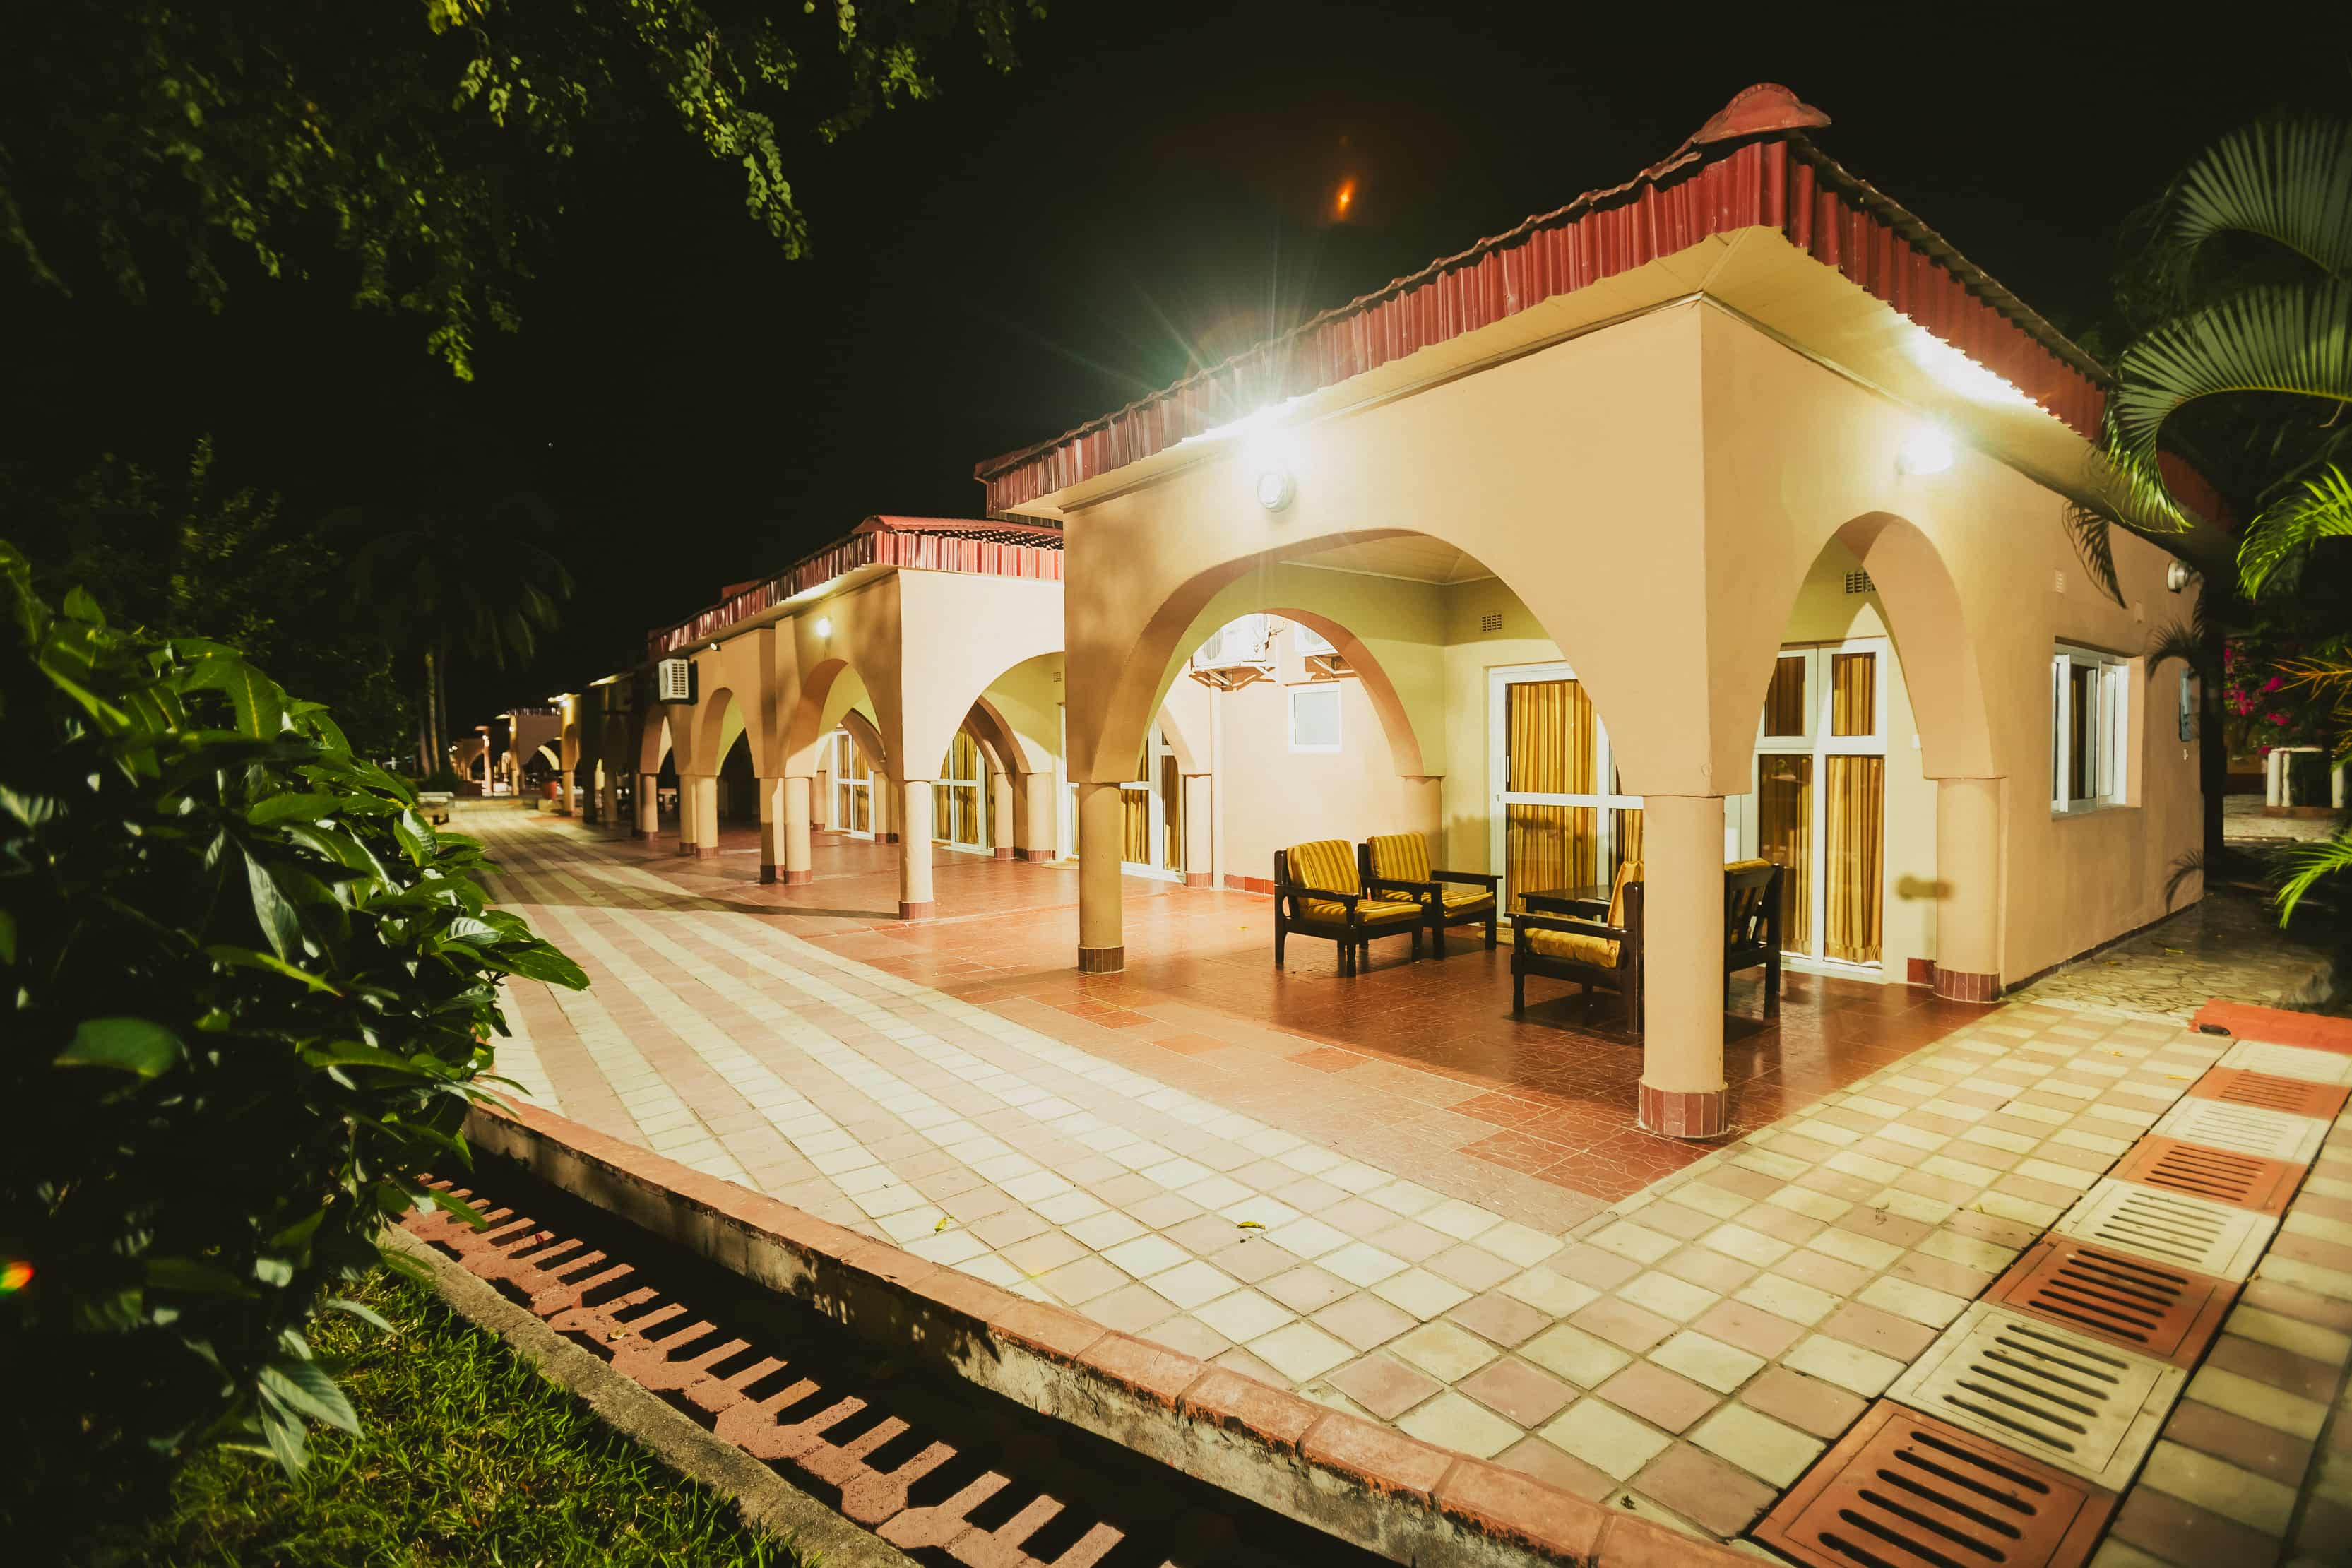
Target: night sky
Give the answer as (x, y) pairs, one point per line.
(1151, 189)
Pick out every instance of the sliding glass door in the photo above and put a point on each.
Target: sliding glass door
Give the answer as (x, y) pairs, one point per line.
(959, 798)
(852, 786)
(1819, 802)
(1559, 818)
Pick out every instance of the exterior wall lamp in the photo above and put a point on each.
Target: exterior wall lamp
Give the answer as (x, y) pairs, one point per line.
(1275, 488)
(1924, 452)
(2177, 576)
(825, 625)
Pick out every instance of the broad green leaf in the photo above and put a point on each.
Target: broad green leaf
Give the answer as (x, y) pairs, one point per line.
(538, 960)
(290, 808)
(2284, 181)
(362, 1310)
(246, 958)
(77, 605)
(133, 1045)
(193, 1278)
(458, 1206)
(7, 937)
(260, 704)
(416, 836)
(288, 1443)
(351, 1053)
(279, 920)
(273, 1270)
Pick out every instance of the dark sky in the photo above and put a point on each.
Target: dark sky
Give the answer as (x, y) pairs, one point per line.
(1027, 251)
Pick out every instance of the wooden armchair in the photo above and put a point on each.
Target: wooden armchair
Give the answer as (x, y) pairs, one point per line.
(1317, 892)
(1600, 944)
(1603, 944)
(1396, 865)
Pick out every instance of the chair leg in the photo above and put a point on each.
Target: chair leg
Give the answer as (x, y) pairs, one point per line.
(1278, 935)
(1772, 988)
(1519, 992)
(1492, 923)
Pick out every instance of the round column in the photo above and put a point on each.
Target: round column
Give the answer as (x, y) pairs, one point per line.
(796, 831)
(1102, 840)
(1968, 884)
(1682, 967)
(648, 820)
(1001, 831)
(706, 816)
(915, 900)
(772, 828)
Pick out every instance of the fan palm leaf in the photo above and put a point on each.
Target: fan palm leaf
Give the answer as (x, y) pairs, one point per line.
(2283, 339)
(2309, 863)
(2288, 182)
(2277, 543)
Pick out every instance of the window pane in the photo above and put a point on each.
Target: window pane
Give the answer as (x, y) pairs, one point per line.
(1552, 738)
(1854, 694)
(1784, 836)
(2082, 730)
(1315, 717)
(1784, 702)
(1853, 869)
(2057, 730)
(1547, 847)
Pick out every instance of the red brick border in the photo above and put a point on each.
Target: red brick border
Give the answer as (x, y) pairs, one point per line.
(1686, 1114)
(1960, 985)
(1362, 1481)
(918, 912)
(2275, 1025)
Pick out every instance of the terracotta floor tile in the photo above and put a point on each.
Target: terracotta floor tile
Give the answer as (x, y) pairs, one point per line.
(1703, 1490)
(1383, 1386)
(1663, 1398)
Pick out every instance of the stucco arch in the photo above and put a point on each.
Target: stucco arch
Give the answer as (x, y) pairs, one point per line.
(718, 719)
(653, 741)
(831, 693)
(552, 760)
(868, 741)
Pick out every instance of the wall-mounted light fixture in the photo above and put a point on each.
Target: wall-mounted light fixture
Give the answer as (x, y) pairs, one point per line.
(2177, 576)
(825, 625)
(1924, 451)
(1275, 488)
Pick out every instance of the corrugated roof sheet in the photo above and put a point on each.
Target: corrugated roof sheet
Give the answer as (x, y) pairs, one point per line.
(1751, 165)
(985, 546)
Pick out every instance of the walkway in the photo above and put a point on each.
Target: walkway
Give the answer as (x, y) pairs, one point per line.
(1385, 1193)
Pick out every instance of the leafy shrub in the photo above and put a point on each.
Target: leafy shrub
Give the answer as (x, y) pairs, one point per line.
(250, 991)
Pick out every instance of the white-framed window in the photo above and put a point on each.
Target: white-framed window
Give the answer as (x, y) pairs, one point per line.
(959, 799)
(1315, 718)
(1817, 804)
(2090, 727)
(852, 807)
(1562, 822)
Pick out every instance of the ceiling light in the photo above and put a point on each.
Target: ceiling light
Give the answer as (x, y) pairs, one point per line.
(1928, 451)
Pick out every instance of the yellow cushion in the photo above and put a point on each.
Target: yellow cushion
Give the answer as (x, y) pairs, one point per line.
(1376, 912)
(1461, 895)
(1403, 857)
(1328, 864)
(1745, 864)
(1571, 944)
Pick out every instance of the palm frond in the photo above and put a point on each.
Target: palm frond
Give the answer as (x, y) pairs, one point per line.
(2289, 182)
(2183, 640)
(2191, 863)
(2095, 543)
(2310, 863)
(2288, 339)
(2277, 543)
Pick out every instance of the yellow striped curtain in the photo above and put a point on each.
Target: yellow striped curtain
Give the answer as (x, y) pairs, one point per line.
(1784, 832)
(1136, 807)
(1784, 703)
(1854, 694)
(1171, 816)
(1854, 819)
(1553, 739)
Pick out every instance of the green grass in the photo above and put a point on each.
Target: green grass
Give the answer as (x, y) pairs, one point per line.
(468, 1457)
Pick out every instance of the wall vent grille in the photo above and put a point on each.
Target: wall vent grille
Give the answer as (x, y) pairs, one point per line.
(1490, 622)
(1860, 582)
(2169, 1228)
(2265, 1091)
(2243, 1129)
(2242, 1181)
(1901, 1490)
(2289, 1061)
(2130, 1301)
(2065, 1398)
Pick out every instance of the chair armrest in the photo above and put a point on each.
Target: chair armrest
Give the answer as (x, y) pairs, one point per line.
(1490, 880)
(1299, 890)
(1523, 920)
(1411, 890)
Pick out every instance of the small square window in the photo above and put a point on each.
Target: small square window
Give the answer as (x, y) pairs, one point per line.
(2090, 728)
(1315, 718)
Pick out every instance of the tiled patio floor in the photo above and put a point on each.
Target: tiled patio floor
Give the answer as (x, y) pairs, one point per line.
(1384, 1192)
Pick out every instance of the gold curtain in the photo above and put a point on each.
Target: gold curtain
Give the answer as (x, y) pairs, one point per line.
(1625, 833)
(1854, 694)
(1136, 809)
(1171, 816)
(1784, 703)
(1854, 822)
(862, 808)
(1784, 832)
(943, 812)
(1553, 739)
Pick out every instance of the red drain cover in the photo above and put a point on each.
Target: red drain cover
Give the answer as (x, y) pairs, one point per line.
(2136, 1302)
(2245, 1181)
(2296, 1097)
(1902, 1490)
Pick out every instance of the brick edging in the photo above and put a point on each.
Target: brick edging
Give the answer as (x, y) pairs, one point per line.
(2277, 1025)
(1356, 1478)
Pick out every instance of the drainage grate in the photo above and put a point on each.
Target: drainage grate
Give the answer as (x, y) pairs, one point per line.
(2272, 1135)
(1901, 1490)
(2265, 1091)
(2196, 1234)
(2065, 1398)
(2128, 1300)
(2289, 1061)
(2241, 1179)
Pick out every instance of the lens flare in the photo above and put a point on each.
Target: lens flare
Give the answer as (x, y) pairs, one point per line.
(1343, 199)
(14, 1274)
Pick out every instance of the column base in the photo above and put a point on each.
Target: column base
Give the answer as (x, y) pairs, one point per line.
(767, 874)
(800, 879)
(1036, 856)
(1002, 853)
(1200, 879)
(1102, 960)
(686, 849)
(1959, 985)
(1684, 1113)
(560, 812)
(705, 851)
(889, 838)
(640, 832)
(921, 912)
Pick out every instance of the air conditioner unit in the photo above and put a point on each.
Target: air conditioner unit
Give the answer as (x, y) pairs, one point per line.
(674, 681)
(1236, 654)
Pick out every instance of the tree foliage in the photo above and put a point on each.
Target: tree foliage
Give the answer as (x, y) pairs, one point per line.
(251, 992)
(183, 556)
(425, 142)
